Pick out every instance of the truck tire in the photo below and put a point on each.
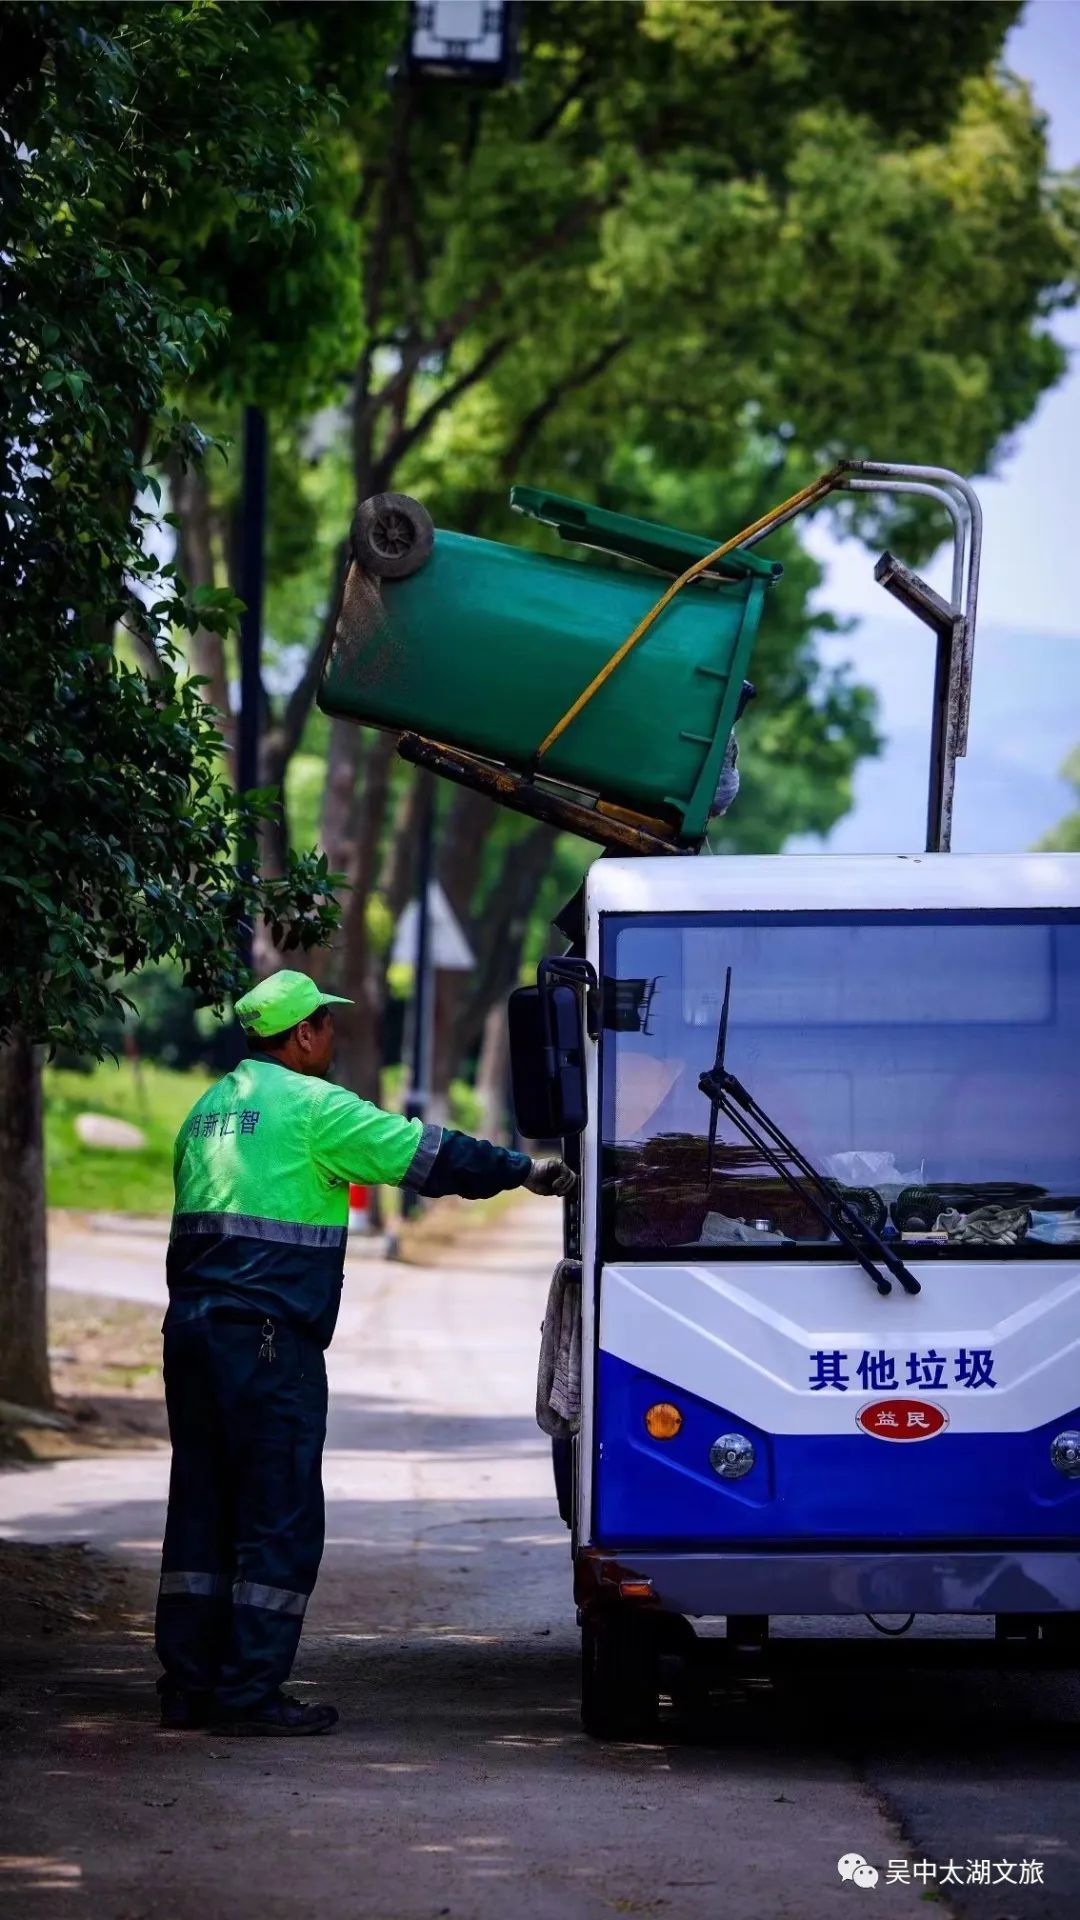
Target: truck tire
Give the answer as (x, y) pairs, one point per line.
(1061, 1636)
(392, 536)
(620, 1676)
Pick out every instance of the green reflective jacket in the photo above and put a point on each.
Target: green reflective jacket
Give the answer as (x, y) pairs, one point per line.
(261, 1169)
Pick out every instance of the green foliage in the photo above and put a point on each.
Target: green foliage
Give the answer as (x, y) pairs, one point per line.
(1065, 837)
(308, 506)
(727, 221)
(294, 299)
(294, 290)
(693, 262)
(304, 785)
(161, 1022)
(157, 1099)
(465, 1108)
(675, 268)
(118, 844)
(570, 862)
(112, 1179)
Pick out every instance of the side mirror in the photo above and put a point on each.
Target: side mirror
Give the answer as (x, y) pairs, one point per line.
(547, 1054)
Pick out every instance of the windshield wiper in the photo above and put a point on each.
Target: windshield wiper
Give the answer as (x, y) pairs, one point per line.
(728, 1095)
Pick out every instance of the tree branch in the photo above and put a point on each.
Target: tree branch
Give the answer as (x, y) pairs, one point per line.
(499, 936)
(281, 741)
(555, 113)
(406, 438)
(398, 870)
(536, 419)
(190, 498)
(444, 335)
(374, 280)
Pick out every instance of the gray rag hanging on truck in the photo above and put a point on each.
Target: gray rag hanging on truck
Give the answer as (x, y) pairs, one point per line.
(558, 1377)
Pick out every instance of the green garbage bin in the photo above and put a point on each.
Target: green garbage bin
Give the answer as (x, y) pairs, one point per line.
(484, 647)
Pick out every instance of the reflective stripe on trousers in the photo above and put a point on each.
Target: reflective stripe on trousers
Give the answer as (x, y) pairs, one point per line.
(208, 1586)
(243, 1593)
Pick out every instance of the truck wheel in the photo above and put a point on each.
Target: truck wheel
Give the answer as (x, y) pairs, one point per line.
(1061, 1635)
(392, 535)
(620, 1676)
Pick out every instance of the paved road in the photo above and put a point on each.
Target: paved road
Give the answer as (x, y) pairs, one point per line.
(459, 1782)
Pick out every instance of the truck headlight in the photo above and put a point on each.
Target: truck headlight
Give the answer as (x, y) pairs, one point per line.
(1065, 1454)
(732, 1456)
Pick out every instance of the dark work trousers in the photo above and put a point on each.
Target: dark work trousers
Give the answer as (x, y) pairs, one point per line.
(244, 1536)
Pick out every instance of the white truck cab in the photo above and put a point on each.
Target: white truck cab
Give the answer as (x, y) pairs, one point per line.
(827, 1119)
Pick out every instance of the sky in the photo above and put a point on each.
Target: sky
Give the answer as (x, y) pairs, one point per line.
(1026, 691)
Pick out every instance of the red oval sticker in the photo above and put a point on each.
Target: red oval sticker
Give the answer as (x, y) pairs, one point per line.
(902, 1419)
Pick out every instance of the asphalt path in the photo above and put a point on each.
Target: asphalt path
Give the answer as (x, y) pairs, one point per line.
(459, 1781)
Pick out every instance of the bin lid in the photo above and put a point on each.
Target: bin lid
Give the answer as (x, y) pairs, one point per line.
(667, 548)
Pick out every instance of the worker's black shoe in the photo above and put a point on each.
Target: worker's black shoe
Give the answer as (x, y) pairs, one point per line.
(278, 1715)
(185, 1712)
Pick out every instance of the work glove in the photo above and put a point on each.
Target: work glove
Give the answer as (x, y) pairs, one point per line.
(551, 1177)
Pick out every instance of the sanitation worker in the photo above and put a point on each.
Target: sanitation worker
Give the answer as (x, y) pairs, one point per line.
(262, 1167)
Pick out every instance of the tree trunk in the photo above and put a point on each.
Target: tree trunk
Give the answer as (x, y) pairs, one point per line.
(493, 1074)
(397, 876)
(338, 812)
(195, 559)
(497, 937)
(282, 734)
(397, 868)
(24, 1357)
(343, 815)
(461, 846)
(362, 973)
(461, 849)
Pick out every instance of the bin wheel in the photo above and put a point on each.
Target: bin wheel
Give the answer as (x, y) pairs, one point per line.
(392, 535)
(620, 1676)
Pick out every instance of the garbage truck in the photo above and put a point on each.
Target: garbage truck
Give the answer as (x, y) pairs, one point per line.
(812, 1349)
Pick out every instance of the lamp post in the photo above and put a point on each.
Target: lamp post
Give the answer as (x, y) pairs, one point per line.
(416, 1104)
(252, 570)
(472, 40)
(430, 938)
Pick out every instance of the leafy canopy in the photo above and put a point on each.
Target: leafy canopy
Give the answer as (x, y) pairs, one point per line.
(118, 844)
(827, 225)
(723, 241)
(1065, 837)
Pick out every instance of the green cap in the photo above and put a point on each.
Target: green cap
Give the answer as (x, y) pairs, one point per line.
(280, 1001)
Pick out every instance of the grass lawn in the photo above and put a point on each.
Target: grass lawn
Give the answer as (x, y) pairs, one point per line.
(139, 1180)
(116, 1180)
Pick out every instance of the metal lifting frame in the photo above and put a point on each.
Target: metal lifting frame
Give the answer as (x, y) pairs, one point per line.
(952, 622)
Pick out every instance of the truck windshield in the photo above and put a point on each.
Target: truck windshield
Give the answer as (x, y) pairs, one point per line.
(928, 1065)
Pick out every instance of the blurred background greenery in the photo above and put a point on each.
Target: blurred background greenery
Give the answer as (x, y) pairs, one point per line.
(675, 269)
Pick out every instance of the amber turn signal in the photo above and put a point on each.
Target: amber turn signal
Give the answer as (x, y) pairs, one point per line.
(663, 1420)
